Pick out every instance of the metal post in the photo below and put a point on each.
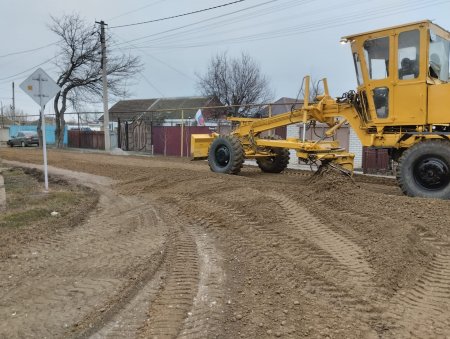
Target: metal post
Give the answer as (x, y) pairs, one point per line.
(182, 132)
(119, 141)
(79, 131)
(1, 107)
(105, 87)
(44, 140)
(271, 132)
(13, 107)
(305, 105)
(126, 136)
(151, 132)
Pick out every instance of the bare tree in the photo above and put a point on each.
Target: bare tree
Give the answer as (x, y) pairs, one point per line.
(80, 67)
(236, 82)
(16, 116)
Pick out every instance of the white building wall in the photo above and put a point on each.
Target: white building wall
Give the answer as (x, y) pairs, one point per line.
(293, 131)
(4, 136)
(355, 147)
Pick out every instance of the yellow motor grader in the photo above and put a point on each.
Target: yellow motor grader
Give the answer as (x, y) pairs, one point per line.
(402, 103)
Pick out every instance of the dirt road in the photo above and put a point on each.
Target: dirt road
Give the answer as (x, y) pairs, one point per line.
(176, 251)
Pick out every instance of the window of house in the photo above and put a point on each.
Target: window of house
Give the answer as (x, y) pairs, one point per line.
(376, 52)
(408, 54)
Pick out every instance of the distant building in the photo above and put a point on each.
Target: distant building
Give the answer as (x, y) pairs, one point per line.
(164, 125)
(170, 111)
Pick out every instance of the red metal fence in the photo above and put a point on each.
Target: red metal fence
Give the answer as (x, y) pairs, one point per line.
(167, 140)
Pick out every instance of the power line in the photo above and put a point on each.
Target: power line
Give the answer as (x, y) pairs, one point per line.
(27, 70)
(196, 23)
(28, 50)
(135, 10)
(405, 6)
(226, 22)
(179, 15)
(154, 58)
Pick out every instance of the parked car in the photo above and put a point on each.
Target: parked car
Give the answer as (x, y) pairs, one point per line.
(24, 139)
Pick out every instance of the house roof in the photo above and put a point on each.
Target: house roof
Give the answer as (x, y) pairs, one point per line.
(128, 109)
(172, 107)
(157, 108)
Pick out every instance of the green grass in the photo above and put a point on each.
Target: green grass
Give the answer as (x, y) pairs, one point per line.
(24, 218)
(27, 205)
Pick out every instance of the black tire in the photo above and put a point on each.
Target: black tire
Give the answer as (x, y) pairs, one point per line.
(226, 155)
(275, 164)
(424, 170)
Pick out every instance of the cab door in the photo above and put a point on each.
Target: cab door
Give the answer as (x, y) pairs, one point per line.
(410, 92)
(378, 56)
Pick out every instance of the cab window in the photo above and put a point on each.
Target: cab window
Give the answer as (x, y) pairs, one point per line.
(438, 58)
(408, 54)
(358, 68)
(381, 101)
(376, 52)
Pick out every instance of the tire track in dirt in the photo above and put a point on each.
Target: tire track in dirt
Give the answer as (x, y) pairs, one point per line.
(184, 298)
(424, 310)
(74, 276)
(125, 317)
(257, 247)
(205, 318)
(289, 245)
(170, 307)
(345, 251)
(124, 314)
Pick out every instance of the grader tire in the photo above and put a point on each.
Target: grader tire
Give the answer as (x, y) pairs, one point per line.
(226, 155)
(424, 170)
(275, 164)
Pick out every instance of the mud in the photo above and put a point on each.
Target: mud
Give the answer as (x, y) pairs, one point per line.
(175, 251)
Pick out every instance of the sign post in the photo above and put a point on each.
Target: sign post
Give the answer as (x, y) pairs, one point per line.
(41, 88)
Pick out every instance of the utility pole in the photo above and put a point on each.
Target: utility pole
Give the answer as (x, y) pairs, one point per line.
(1, 108)
(105, 86)
(13, 107)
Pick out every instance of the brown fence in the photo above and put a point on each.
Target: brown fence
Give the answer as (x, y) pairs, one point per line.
(376, 161)
(171, 140)
(86, 139)
(143, 136)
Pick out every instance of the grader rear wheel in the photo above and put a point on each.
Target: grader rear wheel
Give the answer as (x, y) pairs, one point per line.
(274, 164)
(424, 170)
(226, 155)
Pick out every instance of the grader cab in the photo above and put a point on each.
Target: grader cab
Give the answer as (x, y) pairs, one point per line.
(402, 103)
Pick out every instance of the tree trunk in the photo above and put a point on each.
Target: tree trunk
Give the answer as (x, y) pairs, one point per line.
(59, 118)
(62, 123)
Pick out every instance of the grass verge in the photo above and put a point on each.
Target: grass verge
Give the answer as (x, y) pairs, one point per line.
(28, 215)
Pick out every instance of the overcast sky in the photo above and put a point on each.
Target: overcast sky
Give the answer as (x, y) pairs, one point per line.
(288, 38)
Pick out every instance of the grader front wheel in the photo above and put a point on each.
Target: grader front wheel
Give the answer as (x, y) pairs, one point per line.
(226, 155)
(424, 170)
